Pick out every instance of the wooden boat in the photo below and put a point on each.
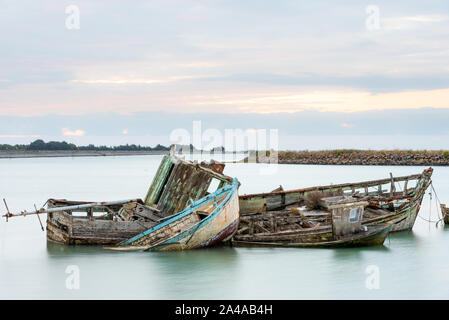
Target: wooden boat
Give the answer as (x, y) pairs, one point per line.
(177, 184)
(445, 213)
(337, 223)
(395, 199)
(206, 222)
(375, 235)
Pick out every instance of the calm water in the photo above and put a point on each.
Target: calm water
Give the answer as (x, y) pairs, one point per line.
(411, 264)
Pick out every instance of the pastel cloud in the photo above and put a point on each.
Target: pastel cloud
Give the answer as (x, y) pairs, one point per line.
(75, 133)
(19, 136)
(188, 57)
(133, 80)
(411, 22)
(331, 100)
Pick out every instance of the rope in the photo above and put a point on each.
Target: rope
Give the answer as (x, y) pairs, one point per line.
(432, 221)
(437, 201)
(438, 204)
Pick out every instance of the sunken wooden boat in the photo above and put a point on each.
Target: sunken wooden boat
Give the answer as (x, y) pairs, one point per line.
(177, 185)
(395, 199)
(206, 222)
(445, 213)
(335, 222)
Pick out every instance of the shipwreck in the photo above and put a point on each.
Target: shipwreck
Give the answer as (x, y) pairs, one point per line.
(304, 217)
(188, 205)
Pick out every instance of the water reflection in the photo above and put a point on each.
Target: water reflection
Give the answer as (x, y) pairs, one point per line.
(55, 249)
(350, 253)
(196, 273)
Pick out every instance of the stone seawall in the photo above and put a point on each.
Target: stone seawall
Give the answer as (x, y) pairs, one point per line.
(366, 157)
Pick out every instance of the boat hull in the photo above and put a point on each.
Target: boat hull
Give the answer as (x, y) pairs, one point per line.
(402, 217)
(217, 230)
(445, 213)
(186, 231)
(64, 228)
(375, 236)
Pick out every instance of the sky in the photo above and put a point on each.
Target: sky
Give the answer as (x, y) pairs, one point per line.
(324, 74)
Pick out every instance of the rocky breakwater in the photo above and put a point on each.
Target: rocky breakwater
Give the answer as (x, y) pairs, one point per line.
(366, 157)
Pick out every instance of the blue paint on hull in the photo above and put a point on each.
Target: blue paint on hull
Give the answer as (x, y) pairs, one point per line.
(229, 190)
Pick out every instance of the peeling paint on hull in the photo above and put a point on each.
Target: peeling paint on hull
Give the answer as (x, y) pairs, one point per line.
(219, 225)
(376, 235)
(402, 216)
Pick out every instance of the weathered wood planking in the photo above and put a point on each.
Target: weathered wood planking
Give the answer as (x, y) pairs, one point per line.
(177, 182)
(208, 221)
(400, 207)
(445, 213)
(159, 180)
(176, 185)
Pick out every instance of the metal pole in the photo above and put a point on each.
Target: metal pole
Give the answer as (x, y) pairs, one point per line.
(74, 207)
(42, 227)
(7, 209)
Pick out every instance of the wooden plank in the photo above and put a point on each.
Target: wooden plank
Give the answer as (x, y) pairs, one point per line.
(159, 179)
(393, 186)
(405, 187)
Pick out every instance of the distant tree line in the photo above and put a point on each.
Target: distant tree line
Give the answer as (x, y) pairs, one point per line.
(41, 145)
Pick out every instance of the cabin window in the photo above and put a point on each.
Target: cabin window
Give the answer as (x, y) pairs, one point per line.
(213, 186)
(354, 215)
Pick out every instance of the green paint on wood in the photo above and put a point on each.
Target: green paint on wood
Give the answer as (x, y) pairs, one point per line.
(159, 180)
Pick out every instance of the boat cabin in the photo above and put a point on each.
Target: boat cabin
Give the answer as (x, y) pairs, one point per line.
(346, 213)
(178, 182)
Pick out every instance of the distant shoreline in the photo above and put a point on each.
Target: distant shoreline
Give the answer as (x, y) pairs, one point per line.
(324, 157)
(75, 153)
(86, 153)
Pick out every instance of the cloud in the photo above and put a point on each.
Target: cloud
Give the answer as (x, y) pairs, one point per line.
(346, 125)
(254, 131)
(134, 81)
(371, 82)
(313, 56)
(19, 136)
(410, 22)
(407, 121)
(76, 133)
(326, 100)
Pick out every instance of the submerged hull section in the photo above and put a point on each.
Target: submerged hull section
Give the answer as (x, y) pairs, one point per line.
(205, 223)
(323, 238)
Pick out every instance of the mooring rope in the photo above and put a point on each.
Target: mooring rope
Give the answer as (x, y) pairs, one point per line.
(438, 204)
(437, 201)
